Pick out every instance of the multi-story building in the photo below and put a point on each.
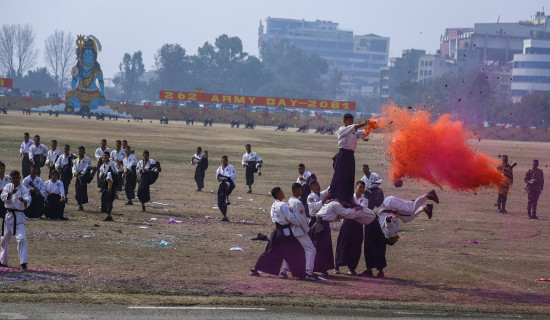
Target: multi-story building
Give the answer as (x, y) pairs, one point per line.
(432, 66)
(531, 69)
(358, 57)
(400, 69)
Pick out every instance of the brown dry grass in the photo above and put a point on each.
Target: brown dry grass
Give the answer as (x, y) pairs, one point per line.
(431, 268)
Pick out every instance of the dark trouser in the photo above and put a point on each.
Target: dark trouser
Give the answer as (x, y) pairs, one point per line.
(119, 180)
(99, 181)
(81, 191)
(2, 209)
(54, 208)
(321, 238)
(532, 199)
(375, 197)
(282, 247)
(65, 176)
(223, 192)
(144, 194)
(107, 199)
(375, 246)
(343, 179)
(36, 209)
(130, 184)
(501, 200)
(303, 198)
(36, 160)
(348, 246)
(199, 176)
(250, 170)
(25, 166)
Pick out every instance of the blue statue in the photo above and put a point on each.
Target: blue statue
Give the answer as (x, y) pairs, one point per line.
(85, 94)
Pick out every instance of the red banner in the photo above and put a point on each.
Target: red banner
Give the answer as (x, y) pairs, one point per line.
(258, 101)
(6, 83)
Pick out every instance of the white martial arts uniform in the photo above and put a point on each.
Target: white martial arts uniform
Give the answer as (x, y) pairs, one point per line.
(405, 210)
(118, 155)
(129, 162)
(4, 181)
(197, 158)
(252, 156)
(100, 152)
(34, 150)
(62, 161)
(334, 210)
(229, 171)
(37, 182)
(54, 188)
(374, 181)
(80, 166)
(104, 170)
(306, 175)
(347, 137)
(14, 204)
(361, 201)
(25, 147)
(315, 202)
(300, 231)
(52, 156)
(147, 165)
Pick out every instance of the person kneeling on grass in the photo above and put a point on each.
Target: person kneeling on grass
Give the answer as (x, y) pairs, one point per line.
(55, 198)
(282, 244)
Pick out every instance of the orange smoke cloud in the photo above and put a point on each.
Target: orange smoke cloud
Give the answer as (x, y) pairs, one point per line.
(436, 152)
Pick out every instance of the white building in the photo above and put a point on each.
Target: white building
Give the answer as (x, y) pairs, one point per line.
(531, 69)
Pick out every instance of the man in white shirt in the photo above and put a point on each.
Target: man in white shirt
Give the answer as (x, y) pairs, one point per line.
(200, 159)
(302, 179)
(118, 156)
(52, 156)
(55, 198)
(99, 152)
(226, 176)
(373, 193)
(282, 245)
(343, 178)
(108, 173)
(4, 180)
(321, 234)
(82, 167)
(35, 185)
(16, 199)
(394, 209)
(37, 154)
(24, 152)
(64, 166)
(130, 166)
(301, 231)
(253, 163)
(148, 171)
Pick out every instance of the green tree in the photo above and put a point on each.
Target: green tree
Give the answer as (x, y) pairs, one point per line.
(172, 66)
(38, 79)
(131, 69)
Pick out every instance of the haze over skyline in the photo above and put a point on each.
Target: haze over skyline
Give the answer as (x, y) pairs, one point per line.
(128, 26)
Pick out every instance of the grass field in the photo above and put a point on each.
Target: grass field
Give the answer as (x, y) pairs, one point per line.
(433, 266)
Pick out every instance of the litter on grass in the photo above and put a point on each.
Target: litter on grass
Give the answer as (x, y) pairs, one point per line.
(236, 249)
(144, 227)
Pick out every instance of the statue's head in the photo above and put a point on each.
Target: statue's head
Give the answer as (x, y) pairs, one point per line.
(86, 50)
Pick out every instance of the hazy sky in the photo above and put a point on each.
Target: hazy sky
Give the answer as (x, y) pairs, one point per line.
(128, 26)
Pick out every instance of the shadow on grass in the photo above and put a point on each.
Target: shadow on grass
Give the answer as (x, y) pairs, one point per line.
(33, 274)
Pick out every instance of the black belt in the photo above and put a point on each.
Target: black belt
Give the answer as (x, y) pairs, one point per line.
(281, 226)
(14, 221)
(345, 150)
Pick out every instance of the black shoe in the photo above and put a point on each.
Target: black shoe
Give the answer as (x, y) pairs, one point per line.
(3, 265)
(80, 208)
(198, 190)
(324, 274)
(224, 219)
(254, 273)
(109, 218)
(283, 275)
(534, 216)
(380, 274)
(368, 273)
(352, 272)
(64, 218)
(23, 266)
(503, 211)
(310, 276)
(129, 203)
(249, 191)
(336, 270)
(433, 196)
(429, 210)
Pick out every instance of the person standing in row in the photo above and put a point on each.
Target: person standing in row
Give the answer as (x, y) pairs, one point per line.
(118, 156)
(148, 171)
(16, 199)
(302, 179)
(253, 163)
(52, 156)
(37, 154)
(226, 176)
(535, 183)
(64, 166)
(108, 172)
(321, 234)
(24, 152)
(507, 172)
(99, 152)
(82, 167)
(55, 198)
(200, 159)
(130, 175)
(35, 185)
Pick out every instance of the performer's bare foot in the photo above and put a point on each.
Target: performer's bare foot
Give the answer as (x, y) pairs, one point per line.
(433, 196)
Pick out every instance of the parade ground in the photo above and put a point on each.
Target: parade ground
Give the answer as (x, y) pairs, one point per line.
(467, 258)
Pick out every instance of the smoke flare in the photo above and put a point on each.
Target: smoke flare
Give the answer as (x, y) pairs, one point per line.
(437, 152)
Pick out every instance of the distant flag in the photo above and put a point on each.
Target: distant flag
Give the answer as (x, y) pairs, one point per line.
(241, 109)
(207, 107)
